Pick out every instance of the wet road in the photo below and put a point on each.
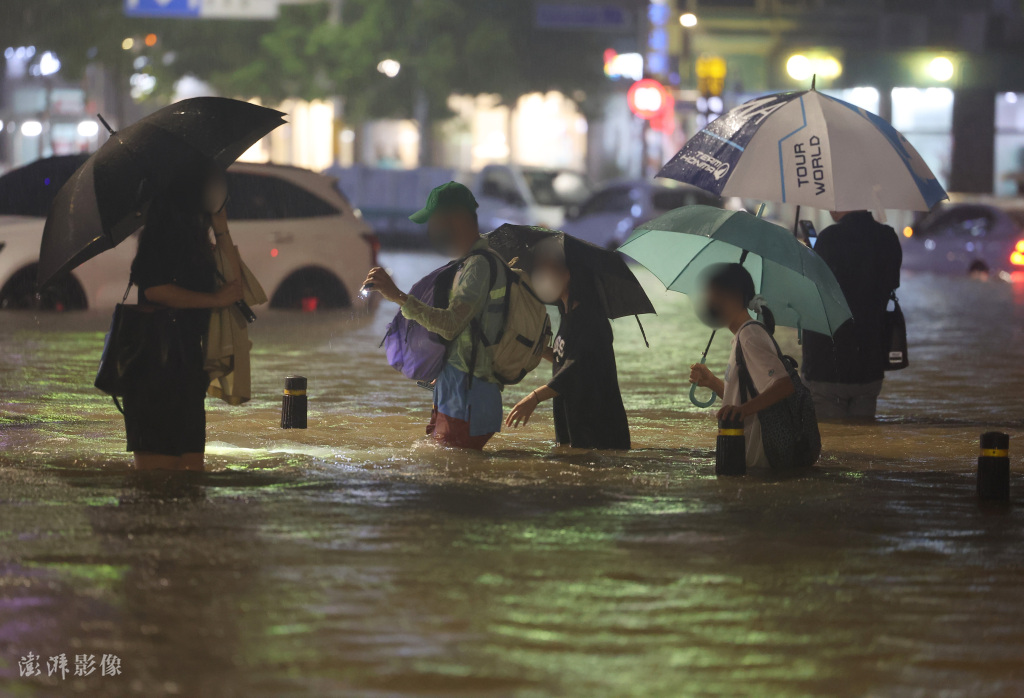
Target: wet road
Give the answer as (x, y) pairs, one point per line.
(356, 559)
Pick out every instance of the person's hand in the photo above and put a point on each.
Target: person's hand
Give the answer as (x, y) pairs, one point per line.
(228, 294)
(732, 413)
(522, 411)
(701, 375)
(378, 280)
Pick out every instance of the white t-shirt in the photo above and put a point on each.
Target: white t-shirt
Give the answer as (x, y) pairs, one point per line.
(765, 368)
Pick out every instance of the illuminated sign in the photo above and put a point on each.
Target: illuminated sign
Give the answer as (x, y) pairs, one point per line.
(711, 71)
(651, 100)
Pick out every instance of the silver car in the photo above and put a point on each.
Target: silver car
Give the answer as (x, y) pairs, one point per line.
(609, 216)
(983, 236)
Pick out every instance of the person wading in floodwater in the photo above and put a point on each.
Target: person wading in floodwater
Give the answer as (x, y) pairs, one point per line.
(845, 376)
(466, 413)
(588, 408)
(728, 298)
(174, 268)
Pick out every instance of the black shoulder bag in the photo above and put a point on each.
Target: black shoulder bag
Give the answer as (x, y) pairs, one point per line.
(789, 428)
(136, 333)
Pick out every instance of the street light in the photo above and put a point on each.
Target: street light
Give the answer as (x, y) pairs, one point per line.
(688, 19)
(31, 129)
(389, 67)
(941, 69)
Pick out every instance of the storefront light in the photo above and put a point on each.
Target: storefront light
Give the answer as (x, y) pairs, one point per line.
(31, 129)
(802, 68)
(88, 129)
(941, 69)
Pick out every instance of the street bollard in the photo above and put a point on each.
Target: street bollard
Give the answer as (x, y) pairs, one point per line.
(293, 405)
(731, 449)
(994, 467)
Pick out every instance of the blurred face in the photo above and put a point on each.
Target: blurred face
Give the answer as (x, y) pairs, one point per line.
(215, 194)
(451, 232)
(715, 306)
(550, 280)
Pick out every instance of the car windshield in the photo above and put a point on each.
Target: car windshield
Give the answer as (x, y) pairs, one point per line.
(557, 187)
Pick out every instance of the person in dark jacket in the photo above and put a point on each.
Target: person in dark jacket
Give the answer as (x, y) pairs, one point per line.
(175, 271)
(845, 377)
(584, 387)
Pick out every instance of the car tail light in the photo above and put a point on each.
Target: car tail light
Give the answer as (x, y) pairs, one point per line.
(374, 242)
(1017, 256)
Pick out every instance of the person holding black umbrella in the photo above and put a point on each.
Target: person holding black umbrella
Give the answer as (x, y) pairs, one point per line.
(174, 269)
(166, 170)
(588, 409)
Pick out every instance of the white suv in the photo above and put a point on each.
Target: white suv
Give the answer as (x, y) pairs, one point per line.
(302, 239)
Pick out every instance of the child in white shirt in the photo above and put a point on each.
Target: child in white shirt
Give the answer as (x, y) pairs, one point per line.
(728, 298)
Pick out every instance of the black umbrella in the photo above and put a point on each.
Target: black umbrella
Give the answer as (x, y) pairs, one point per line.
(618, 290)
(30, 190)
(105, 201)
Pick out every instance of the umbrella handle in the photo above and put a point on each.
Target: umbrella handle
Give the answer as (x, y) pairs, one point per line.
(693, 395)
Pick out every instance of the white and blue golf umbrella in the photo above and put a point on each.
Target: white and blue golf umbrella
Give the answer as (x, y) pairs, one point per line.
(809, 149)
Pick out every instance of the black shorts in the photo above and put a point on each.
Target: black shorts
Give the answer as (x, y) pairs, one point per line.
(167, 414)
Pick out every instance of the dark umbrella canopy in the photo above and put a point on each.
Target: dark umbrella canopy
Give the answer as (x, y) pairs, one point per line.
(30, 190)
(618, 289)
(105, 200)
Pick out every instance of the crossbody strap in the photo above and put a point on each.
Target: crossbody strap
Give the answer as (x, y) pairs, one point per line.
(747, 388)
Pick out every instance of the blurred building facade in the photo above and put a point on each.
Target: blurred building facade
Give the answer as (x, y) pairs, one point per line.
(947, 73)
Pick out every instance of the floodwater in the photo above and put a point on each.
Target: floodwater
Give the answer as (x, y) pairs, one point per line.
(356, 559)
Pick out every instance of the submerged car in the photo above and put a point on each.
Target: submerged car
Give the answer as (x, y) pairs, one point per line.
(970, 236)
(297, 233)
(609, 216)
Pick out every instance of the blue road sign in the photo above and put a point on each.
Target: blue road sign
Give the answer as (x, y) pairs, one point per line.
(162, 8)
(582, 17)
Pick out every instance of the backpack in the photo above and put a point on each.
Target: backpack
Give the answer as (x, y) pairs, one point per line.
(412, 349)
(515, 351)
(525, 330)
(789, 428)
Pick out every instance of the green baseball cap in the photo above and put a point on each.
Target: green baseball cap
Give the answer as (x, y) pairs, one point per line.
(450, 195)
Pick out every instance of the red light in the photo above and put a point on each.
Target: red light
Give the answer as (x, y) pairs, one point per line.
(273, 252)
(1017, 256)
(309, 304)
(651, 100)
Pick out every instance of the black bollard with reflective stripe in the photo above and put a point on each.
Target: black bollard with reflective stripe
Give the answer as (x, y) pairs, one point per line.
(994, 467)
(731, 449)
(293, 405)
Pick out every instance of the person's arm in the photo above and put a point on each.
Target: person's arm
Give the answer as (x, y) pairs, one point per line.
(548, 354)
(224, 243)
(777, 392)
(704, 378)
(766, 370)
(525, 407)
(467, 298)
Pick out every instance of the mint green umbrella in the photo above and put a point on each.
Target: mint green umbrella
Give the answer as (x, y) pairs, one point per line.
(798, 286)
